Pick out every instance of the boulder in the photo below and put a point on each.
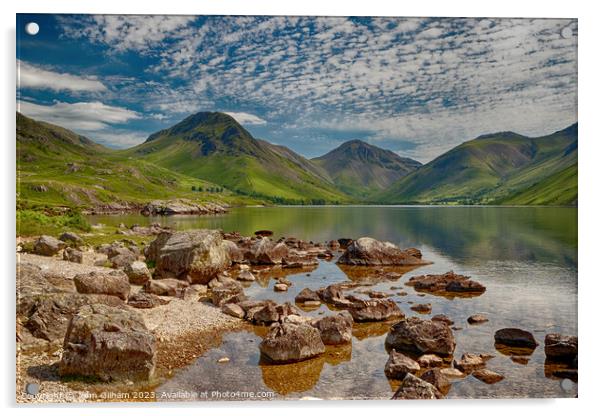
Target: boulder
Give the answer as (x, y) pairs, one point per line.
(194, 255)
(471, 362)
(227, 293)
(48, 246)
(234, 310)
(438, 379)
(487, 376)
(344, 242)
(289, 342)
(446, 284)
(422, 337)
(265, 251)
(430, 361)
(143, 300)
(47, 316)
(335, 329)
(560, 347)
(307, 295)
(113, 283)
(515, 337)
(264, 315)
(137, 272)
(367, 251)
(235, 253)
(166, 287)
(374, 310)
(73, 255)
(71, 238)
(413, 388)
(398, 365)
(477, 319)
(108, 343)
(246, 276)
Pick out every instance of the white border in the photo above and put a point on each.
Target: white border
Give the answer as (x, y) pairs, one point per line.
(590, 154)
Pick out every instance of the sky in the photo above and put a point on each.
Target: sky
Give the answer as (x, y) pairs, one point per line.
(416, 86)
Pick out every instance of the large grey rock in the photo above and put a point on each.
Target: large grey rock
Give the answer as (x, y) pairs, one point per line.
(137, 273)
(421, 336)
(289, 342)
(113, 283)
(48, 246)
(413, 388)
(367, 251)
(108, 343)
(194, 255)
(335, 329)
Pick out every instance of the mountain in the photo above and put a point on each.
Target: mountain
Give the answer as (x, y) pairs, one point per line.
(360, 169)
(59, 168)
(499, 168)
(215, 147)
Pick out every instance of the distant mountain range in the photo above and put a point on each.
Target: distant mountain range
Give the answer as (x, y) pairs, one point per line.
(211, 151)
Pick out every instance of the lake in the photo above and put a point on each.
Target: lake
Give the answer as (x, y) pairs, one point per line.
(525, 256)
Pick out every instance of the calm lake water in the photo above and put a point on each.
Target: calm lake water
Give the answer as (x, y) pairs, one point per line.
(525, 256)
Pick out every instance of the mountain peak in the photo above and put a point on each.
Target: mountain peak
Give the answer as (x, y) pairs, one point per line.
(199, 120)
(501, 135)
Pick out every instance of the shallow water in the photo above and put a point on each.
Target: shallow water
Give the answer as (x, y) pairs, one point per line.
(525, 256)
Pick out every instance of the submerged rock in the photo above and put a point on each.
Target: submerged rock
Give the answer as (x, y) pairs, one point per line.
(515, 337)
(108, 343)
(447, 283)
(561, 347)
(421, 336)
(195, 255)
(290, 342)
(335, 329)
(398, 365)
(413, 388)
(113, 283)
(367, 251)
(487, 376)
(422, 308)
(477, 319)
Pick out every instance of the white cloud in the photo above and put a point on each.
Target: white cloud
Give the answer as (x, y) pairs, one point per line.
(87, 116)
(118, 138)
(30, 76)
(246, 118)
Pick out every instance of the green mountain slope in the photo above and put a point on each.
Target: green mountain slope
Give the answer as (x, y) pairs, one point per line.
(59, 168)
(490, 169)
(360, 169)
(214, 147)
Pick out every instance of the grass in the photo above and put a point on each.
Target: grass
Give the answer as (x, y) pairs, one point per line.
(31, 223)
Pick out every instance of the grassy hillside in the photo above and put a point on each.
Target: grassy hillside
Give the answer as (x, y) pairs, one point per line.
(214, 147)
(58, 168)
(489, 169)
(361, 169)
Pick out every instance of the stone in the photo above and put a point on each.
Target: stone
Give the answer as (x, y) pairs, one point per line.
(414, 252)
(307, 295)
(143, 300)
(377, 295)
(113, 283)
(333, 294)
(335, 329)
(448, 283)
(265, 251)
(470, 362)
(108, 343)
(437, 378)
(398, 365)
(234, 252)
(288, 342)
(265, 315)
(73, 255)
(442, 318)
(72, 238)
(334, 245)
(422, 337)
(515, 337)
(422, 308)
(344, 242)
(246, 276)
(234, 310)
(166, 287)
(430, 361)
(312, 303)
(374, 310)
(487, 376)
(477, 319)
(367, 251)
(413, 388)
(48, 246)
(228, 293)
(561, 347)
(195, 255)
(137, 272)
(452, 372)
(280, 287)
(121, 261)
